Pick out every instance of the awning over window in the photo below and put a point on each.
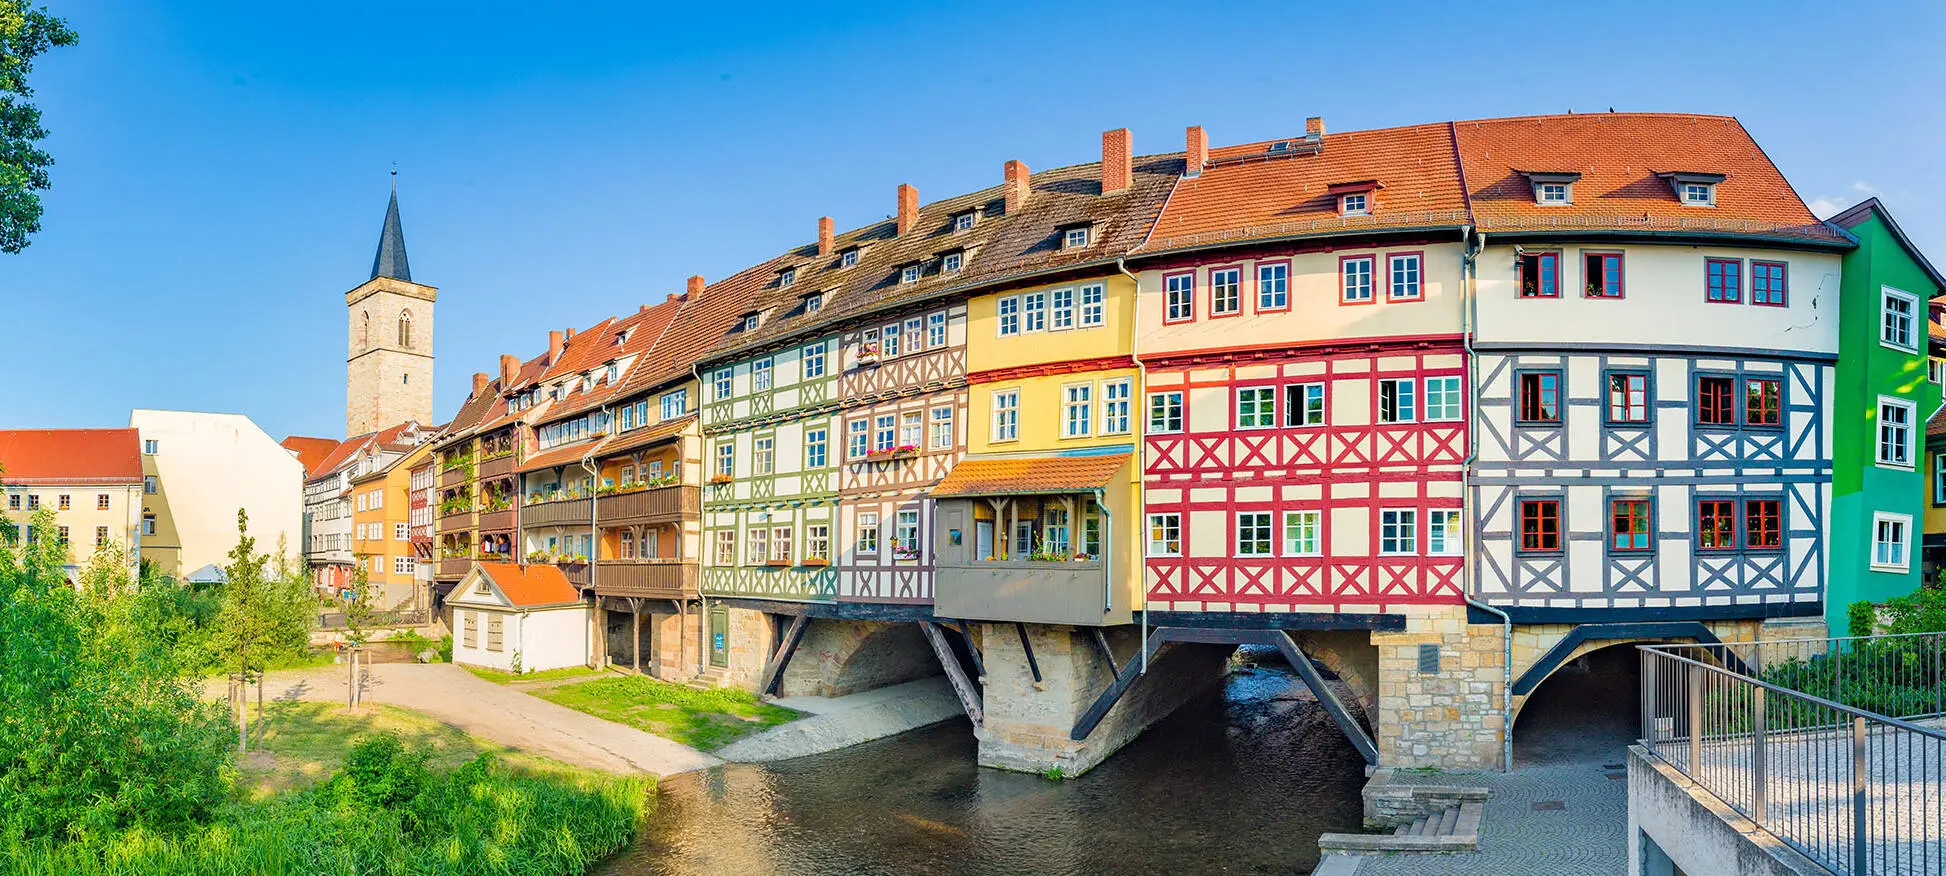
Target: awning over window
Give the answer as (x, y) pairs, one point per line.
(1030, 476)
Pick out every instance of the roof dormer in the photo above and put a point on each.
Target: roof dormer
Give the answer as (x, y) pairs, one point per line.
(1356, 198)
(1552, 188)
(964, 220)
(1076, 235)
(1693, 188)
(787, 276)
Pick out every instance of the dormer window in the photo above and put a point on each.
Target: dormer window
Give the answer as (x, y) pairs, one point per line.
(1355, 198)
(1698, 194)
(909, 273)
(964, 221)
(950, 262)
(1694, 188)
(814, 302)
(848, 258)
(1354, 205)
(1076, 236)
(1552, 189)
(787, 276)
(614, 371)
(1551, 193)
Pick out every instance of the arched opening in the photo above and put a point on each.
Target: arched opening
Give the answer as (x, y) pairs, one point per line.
(405, 329)
(364, 328)
(1587, 711)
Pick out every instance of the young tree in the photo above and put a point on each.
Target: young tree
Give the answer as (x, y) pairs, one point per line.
(260, 618)
(25, 33)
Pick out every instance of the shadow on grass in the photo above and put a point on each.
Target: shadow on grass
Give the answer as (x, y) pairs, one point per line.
(703, 719)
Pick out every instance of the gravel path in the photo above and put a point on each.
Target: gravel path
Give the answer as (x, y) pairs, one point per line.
(490, 711)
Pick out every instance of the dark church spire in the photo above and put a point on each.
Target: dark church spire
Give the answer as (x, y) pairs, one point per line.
(390, 261)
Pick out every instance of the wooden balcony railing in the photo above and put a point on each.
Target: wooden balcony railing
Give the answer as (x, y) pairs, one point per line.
(462, 519)
(454, 567)
(654, 579)
(565, 512)
(502, 520)
(577, 573)
(668, 504)
(497, 467)
(453, 477)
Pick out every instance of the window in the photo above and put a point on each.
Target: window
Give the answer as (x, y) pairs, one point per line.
(1405, 273)
(1895, 432)
(1763, 524)
(1253, 534)
(148, 523)
(148, 446)
(1115, 406)
(1540, 525)
(815, 441)
(1723, 280)
(905, 536)
(726, 458)
(1763, 402)
(909, 274)
(1301, 533)
(1076, 409)
(1395, 402)
(1304, 404)
(1225, 291)
(888, 345)
(757, 547)
(1009, 315)
(883, 431)
(1716, 525)
(763, 456)
(1540, 275)
(1165, 535)
(848, 258)
(1091, 305)
(1715, 401)
(963, 222)
(65, 502)
(951, 262)
(1629, 523)
(868, 533)
(1006, 415)
(1540, 397)
(1698, 194)
(1033, 306)
(1602, 274)
(1628, 397)
(13, 501)
(149, 484)
(1256, 407)
(1354, 205)
(1442, 399)
(627, 418)
(859, 439)
(750, 322)
(1768, 284)
(1551, 193)
(101, 536)
(1074, 238)
(935, 330)
(1895, 324)
(760, 375)
(101, 501)
(1443, 532)
(726, 547)
(402, 565)
(1935, 370)
(722, 383)
(942, 428)
(780, 544)
(1179, 294)
(1273, 286)
(1165, 412)
(814, 302)
(61, 535)
(1889, 542)
(1062, 316)
(787, 277)
(912, 427)
(1398, 531)
(674, 404)
(817, 541)
(1939, 479)
(401, 532)
(1357, 275)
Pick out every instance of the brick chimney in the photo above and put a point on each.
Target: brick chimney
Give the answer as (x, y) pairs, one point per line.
(554, 344)
(570, 333)
(1314, 126)
(509, 366)
(1018, 185)
(908, 207)
(824, 235)
(480, 379)
(1117, 161)
(1196, 151)
(695, 287)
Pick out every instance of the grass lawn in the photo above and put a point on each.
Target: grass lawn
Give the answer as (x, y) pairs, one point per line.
(701, 719)
(498, 677)
(304, 743)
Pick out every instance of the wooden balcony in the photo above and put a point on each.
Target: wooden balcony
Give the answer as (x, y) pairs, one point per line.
(454, 567)
(653, 579)
(566, 512)
(1026, 590)
(496, 467)
(456, 520)
(577, 573)
(502, 520)
(670, 504)
(453, 477)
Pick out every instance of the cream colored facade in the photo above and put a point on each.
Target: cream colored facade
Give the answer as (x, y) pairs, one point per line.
(388, 368)
(92, 514)
(206, 467)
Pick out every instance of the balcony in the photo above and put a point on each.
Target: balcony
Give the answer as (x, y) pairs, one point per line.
(653, 579)
(667, 504)
(577, 573)
(453, 477)
(564, 512)
(1033, 591)
(496, 467)
(454, 567)
(502, 520)
(455, 518)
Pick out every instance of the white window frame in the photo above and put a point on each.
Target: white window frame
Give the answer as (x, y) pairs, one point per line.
(1269, 528)
(1368, 275)
(1885, 316)
(1907, 443)
(1033, 311)
(1173, 523)
(760, 375)
(726, 457)
(817, 448)
(1116, 399)
(1006, 415)
(1310, 522)
(812, 361)
(1077, 410)
(858, 438)
(1298, 416)
(867, 543)
(674, 404)
(941, 428)
(1414, 266)
(963, 222)
(1229, 287)
(723, 383)
(889, 339)
(1450, 395)
(1179, 295)
(1939, 479)
(763, 456)
(401, 532)
(1281, 284)
(817, 541)
(1260, 417)
(1060, 311)
(1707, 190)
(909, 274)
(1543, 191)
(1355, 204)
(935, 330)
(848, 258)
(1904, 559)
(1445, 532)
(1092, 297)
(1411, 517)
(402, 565)
(1007, 315)
(1172, 409)
(1412, 393)
(1075, 238)
(912, 429)
(950, 262)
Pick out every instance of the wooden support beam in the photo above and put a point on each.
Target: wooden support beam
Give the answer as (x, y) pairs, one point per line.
(635, 634)
(1027, 648)
(1558, 654)
(1123, 678)
(1326, 696)
(972, 650)
(969, 693)
(774, 671)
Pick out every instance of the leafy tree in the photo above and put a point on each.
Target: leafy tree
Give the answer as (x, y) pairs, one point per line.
(25, 32)
(261, 616)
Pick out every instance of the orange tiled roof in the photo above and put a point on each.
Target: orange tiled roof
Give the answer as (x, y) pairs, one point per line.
(631, 440)
(1034, 475)
(563, 455)
(70, 456)
(531, 586)
(310, 451)
(339, 456)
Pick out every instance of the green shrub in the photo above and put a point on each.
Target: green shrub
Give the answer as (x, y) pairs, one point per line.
(1861, 618)
(446, 648)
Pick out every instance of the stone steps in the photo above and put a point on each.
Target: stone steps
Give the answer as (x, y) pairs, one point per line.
(1455, 829)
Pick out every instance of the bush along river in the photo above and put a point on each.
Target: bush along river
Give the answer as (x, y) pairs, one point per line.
(1240, 780)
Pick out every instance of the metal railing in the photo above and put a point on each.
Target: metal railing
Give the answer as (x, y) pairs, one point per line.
(1835, 746)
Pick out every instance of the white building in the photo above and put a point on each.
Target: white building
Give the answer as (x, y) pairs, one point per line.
(205, 468)
(507, 615)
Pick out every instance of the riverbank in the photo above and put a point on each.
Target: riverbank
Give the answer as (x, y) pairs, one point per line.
(833, 723)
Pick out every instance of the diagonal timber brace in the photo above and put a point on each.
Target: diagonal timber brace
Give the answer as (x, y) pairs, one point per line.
(969, 692)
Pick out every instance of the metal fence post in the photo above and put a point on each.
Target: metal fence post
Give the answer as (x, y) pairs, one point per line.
(1759, 775)
(1695, 721)
(1860, 837)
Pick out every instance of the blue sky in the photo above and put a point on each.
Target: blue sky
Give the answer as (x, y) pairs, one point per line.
(222, 167)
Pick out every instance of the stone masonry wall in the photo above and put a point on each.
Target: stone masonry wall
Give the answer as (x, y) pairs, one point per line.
(839, 657)
(674, 644)
(750, 638)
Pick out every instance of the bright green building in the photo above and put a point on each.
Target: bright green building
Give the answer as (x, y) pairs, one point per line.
(1884, 398)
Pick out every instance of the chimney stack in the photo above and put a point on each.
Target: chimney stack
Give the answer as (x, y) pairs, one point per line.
(509, 366)
(554, 343)
(695, 286)
(1196, 152)
(479, 383)
(643, 309)
(1017, 187)
(1117, 161)
(824, 235)
(908, 207)
(1314, 126)
(569, 335)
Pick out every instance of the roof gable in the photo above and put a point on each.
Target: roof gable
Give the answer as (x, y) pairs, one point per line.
(70, 456)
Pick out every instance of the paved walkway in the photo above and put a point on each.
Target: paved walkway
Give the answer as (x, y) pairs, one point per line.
(839, 722)
(490, 711)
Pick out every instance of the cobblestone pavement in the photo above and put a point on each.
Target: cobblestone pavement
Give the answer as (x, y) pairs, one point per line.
(1585, 836)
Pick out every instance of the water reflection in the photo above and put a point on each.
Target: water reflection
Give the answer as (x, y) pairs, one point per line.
(1240, 780)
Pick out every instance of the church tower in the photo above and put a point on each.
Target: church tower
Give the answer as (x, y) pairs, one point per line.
(388, 374)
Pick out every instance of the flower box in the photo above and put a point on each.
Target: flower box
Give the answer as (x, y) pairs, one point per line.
(904, 554)
(778, 564)
(814, 562)
(906, 451)
(721, 479)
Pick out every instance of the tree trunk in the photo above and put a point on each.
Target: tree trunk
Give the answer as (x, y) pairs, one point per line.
(260, 712)
(243, 717)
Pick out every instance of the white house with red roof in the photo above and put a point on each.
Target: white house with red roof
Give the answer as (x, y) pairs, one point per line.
(91, 479)
(518, 618)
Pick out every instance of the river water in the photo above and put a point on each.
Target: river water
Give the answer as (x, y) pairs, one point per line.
(1242, 779)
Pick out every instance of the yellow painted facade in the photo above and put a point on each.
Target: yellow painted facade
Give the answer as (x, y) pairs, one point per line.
(89, 514)
(381, 519)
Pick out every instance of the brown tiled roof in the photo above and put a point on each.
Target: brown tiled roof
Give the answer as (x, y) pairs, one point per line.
(70, 456)
(644, 437)
(531, 586)
(1619, 157)
(1031, 475)
(310, 451)
(1251, 192)
(563, 455)
(339, 456)
(593, 348)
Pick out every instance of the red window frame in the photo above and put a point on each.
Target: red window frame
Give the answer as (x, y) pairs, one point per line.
(1256, 285)
(1419, 258)
(1723, 281)
(1714, 408)
(1546, 268)
(1633, 520)
(1765, 410)
(1623, 387)
(1540, 526)
(1344, 288)
(1166, 320)
(1211, 282)
(1777, 286)
(1536, 411)
(1763, 524)
(1591, 258)
(1716, 521)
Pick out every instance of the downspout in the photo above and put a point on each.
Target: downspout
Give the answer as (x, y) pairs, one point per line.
(1141, 452)
(594, 534)
(1472, 246)
(702, 548)
(1107, 550)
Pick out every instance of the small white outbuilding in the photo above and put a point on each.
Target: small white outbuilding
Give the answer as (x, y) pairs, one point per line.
(507, 615)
